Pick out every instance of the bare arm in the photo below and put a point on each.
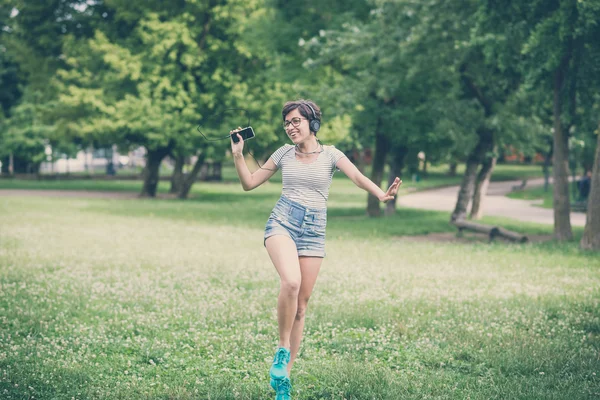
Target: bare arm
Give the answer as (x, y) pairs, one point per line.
(348, 168)
(253, 180)
(250, 180)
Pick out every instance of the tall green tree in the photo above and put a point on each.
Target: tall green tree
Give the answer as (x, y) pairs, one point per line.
(428, 76)
(591, 234)
(10, 79)
(559, 60)
(559, 51)
(481, 78)
(175, 69)
(11, 84)
(32, 37)
(24, 137)
(387, 91)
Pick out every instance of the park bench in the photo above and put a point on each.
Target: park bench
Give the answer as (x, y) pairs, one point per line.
(520, 187)
(580, 206)
(490, 230)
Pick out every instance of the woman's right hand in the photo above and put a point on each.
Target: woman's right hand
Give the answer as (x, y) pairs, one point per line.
(237, 148)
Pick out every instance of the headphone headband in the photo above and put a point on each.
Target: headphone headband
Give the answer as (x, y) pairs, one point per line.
(314, 124)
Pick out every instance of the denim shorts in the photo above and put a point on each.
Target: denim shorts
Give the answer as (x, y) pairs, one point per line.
(305, 226)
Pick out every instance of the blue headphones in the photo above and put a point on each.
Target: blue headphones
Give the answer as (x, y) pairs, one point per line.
(314, 124)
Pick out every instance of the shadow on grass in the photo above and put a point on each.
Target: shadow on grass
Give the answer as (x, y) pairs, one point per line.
(220, 197)
(65, 381)
(239, 209)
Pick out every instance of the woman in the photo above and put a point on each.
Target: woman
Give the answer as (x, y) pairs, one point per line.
(295, 232)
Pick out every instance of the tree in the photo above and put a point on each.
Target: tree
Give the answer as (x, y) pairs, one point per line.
(558, 52)
(591, 234)
(389, 89)
(555, 62)
(482, 182)
(462, 39)
(410, 63)
(32, 36)
(153, 87)
(25, 137)
(10, 82)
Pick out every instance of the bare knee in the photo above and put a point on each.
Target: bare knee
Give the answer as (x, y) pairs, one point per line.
(290, 287)
(301, 310)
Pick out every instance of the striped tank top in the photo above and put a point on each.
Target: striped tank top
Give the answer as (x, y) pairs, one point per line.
(307, 184)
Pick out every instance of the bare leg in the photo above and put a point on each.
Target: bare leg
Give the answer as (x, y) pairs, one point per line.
(284, 256)
(309, 268)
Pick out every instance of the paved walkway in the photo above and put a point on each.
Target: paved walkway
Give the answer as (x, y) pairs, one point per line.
(496, 203)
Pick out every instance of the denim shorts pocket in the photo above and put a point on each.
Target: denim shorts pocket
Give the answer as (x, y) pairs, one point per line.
(296, 216)
(317, 227)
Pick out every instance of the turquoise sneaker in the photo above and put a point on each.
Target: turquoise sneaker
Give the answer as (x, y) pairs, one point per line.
(278, 370)
(284, 388)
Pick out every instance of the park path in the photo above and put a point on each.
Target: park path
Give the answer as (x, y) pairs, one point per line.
(442, 199)
(496, 203)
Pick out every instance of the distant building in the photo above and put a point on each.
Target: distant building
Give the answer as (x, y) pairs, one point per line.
(94, 161)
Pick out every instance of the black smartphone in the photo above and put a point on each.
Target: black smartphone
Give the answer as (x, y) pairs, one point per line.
(246, 133)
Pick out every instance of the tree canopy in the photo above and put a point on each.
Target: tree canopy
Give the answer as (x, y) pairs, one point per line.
(453, 80)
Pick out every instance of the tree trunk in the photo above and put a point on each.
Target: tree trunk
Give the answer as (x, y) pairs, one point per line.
(452, 168)
(177, 177)
(481, 186)
(150, 173)
(191, 177)
(217, 172)
(151, 170)
(467, 185)
(466, 190)
(396, 167)
(484, 145)
(15, 164)
(92, 169)
(546, 169)
(360, 160)
(560, 170)
(591, 234)
(110, 167)
(381, 150)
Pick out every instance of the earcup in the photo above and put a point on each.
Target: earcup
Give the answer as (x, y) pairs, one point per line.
(314, 125)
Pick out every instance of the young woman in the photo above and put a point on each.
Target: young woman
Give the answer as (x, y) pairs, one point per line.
(295, 231)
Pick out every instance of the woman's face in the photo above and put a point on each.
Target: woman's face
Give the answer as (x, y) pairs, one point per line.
(298, 133)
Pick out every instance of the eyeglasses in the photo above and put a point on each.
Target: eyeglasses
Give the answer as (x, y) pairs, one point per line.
(296, 121)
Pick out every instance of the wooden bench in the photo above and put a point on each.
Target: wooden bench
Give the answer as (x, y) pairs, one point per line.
(520, 187)
(580, 206)
(490, 230)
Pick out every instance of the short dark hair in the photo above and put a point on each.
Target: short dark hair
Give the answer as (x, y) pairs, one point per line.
(303, 108)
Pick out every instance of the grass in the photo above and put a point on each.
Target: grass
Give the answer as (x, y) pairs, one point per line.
(538, 193)
(437, 176)
(167, 299)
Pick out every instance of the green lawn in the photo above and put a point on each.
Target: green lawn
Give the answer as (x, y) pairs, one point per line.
(168, 299)
(538, 193)
(436, 177)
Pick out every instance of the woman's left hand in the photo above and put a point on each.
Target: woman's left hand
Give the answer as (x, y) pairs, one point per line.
(391, 192)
